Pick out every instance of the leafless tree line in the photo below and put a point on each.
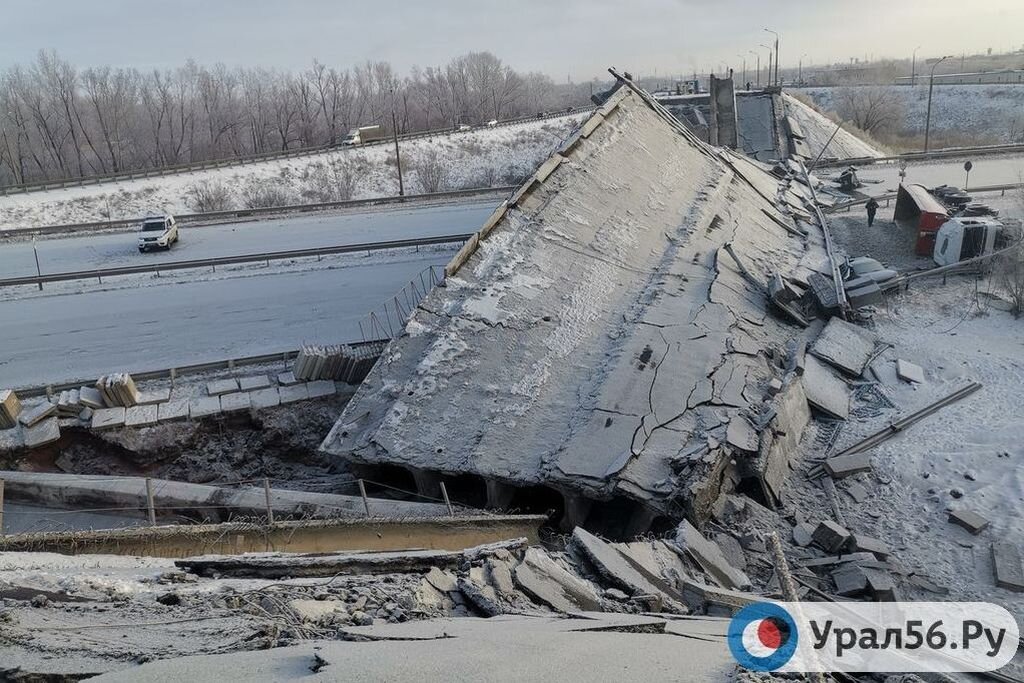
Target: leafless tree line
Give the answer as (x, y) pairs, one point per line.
(57, 121)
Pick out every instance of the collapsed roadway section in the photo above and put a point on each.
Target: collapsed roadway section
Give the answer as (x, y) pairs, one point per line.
(619, 342)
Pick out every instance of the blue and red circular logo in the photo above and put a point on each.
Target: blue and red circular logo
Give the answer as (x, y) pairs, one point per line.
(762, 636)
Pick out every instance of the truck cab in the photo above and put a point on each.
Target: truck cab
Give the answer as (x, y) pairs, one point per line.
(158, 232)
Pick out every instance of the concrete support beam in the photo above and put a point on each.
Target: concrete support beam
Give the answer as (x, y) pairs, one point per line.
(499, 495)
(577, 508)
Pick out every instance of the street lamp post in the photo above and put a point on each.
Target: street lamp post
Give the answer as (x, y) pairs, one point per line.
(913, 66)
(800, 70)
(394, 132)
(744, 69)
(928, 116)
(758, 72)
(776, 54)
(768, 80)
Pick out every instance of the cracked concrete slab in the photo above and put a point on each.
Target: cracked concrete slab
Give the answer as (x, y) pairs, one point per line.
(596, 330)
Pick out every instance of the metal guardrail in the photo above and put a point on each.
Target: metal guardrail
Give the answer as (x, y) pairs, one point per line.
(892, 195)
(911, 157)
(256, 158)
(213, 216)
(100, 273)
(171, 373)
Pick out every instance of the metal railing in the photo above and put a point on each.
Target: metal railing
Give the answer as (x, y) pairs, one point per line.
(892, 195)
(256, 158)
(911, 157)
(100, 273)
(215, 216)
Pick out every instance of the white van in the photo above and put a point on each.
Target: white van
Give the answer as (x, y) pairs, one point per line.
(158, 232)
(961, 238)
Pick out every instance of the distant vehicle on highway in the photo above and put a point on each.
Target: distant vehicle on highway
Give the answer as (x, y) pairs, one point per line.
(158, 232)
(492, 123)
(463, 127)
(364, 134)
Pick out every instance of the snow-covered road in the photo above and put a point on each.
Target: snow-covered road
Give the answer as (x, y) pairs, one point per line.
(993, 170)
(87, 252)
(64, 337)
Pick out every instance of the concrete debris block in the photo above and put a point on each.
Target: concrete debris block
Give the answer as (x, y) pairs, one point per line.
(428, 597)
(857, 491)
(1008, 566)
(344, 363)
(35, 415)
(866, 294)
(293, 394)
(846, 465)
(803, 534)
(68, 403)
(742, 435)
(442, 580)
(500, 574)
(253, 382)
(10, 409)
(613, 566)
(881, 584)
(702, 598)
(222, 386)
(316, 611)
(731, 550)
(867, 544)
(118, 390)
(321, 388)
(658, 559)
(825, 391)
(108, 418)
(287, 379)
(831, 537)
(173, 410)
(85, 415)
(548, 583)
(42, 433)
(909, 372)
(710, 557)
(90, 397)
(850, 580)
(846, 346)
(235, 403)
(203, 406)
(155, 396)
(858, 557)
(926, 584)
(141, 416)
(971, 521)
(479, 593)
(265, 398)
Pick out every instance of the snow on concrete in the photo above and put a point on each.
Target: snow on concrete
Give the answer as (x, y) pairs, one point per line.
(994, 110)
(818, 129)
(479, 158)
(612, 354)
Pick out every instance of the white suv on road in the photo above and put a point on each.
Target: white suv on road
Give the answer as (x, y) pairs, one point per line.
(158, 232)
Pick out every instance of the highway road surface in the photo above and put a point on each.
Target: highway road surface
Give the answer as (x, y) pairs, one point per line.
(60, 338)
(104, 250)
(993, 170)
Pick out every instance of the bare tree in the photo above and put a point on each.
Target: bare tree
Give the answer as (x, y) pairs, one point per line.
(432, 172)
(873, 109)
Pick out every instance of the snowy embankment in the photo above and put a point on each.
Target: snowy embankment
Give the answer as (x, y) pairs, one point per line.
(479, 158)
(818, 130)
(994, 111)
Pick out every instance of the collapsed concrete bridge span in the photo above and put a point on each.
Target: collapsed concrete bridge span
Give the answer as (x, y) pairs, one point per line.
(607, 335)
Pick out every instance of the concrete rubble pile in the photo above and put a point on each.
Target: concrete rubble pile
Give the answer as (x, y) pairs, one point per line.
(269, 600)
(118, 390)
(611, 334)
(10, 409)
(345, 363)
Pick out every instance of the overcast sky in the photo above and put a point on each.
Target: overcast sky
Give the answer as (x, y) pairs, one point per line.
(577, 38)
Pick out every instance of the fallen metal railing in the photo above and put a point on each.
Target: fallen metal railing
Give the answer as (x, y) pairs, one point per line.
(100, 273)
(213, 216)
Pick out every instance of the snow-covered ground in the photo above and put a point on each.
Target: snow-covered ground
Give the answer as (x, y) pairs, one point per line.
(991, 110)
(819, 130)
(478, 158)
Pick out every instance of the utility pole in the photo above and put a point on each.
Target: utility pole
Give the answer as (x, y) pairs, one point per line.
(800, 70)
(776, 55)
(394, 133)
(758, 71)
(928, 116)
(913, 66)
(39, 273)
(768, 80)
(744, 69)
